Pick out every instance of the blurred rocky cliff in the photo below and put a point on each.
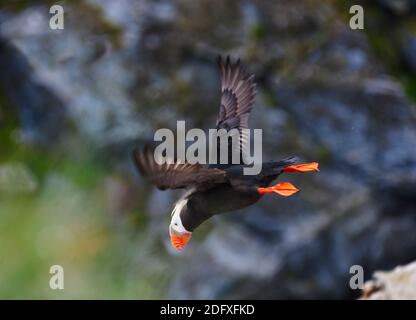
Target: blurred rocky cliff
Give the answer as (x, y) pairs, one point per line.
(121, 69)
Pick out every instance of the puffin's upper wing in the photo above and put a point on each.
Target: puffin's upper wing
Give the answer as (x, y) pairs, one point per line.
(238, 91)
(175, 175)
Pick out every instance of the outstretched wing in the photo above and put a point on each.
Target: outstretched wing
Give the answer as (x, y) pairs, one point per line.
(175, 175)
(238, 91)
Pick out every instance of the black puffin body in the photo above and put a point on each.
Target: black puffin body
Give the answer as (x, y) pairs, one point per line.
(215, 189)
(239, 191)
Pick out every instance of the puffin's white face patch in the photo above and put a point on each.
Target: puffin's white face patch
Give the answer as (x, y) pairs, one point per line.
(176, 222)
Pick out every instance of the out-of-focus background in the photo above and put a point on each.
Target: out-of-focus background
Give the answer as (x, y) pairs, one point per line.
(75, 102)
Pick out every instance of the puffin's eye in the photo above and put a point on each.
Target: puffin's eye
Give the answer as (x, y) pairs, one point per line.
(176, 224)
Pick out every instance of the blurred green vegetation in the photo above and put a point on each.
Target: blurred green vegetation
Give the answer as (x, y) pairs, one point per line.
(64, 221)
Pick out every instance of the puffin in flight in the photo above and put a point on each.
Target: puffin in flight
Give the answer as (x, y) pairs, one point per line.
(214, 189)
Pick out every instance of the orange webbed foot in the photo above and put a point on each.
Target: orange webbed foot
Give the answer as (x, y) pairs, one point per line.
(285, 189)
(304, 167)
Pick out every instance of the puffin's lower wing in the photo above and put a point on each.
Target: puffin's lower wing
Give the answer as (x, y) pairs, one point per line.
(175, 175)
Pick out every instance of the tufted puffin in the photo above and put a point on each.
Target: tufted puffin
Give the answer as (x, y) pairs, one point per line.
(214, 189)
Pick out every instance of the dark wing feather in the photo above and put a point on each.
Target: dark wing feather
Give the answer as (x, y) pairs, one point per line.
(237, 98)
(175, 175)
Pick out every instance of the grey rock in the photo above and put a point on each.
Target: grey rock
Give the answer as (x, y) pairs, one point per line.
(397, 284)
(399, 7)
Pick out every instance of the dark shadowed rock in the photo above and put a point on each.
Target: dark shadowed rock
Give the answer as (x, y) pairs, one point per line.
(39, 108)
(398, 7)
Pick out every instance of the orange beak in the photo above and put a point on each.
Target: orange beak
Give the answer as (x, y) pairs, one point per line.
(179, 241)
